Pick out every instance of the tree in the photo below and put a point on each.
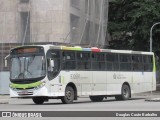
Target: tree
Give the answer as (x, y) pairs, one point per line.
(130, 22)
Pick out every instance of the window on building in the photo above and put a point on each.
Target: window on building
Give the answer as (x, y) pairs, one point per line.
(75, 3)
(24, 1)
(74, 25)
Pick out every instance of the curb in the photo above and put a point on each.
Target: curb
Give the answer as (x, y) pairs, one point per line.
(4, 101)
(153, 99)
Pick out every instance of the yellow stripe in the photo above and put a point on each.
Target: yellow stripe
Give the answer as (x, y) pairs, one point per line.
(62, 79)
(154, 64)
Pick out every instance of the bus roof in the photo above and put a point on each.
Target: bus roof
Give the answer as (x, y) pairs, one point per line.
(92, 49)
(95, 49)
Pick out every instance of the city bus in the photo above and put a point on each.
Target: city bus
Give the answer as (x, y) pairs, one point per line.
(43, 72)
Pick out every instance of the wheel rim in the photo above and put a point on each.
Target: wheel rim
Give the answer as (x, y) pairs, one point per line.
(69, 95)
(125, 92)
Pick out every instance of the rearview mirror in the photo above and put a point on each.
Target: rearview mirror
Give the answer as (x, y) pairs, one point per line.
(51, 63)
(6, 60)
(5, 63)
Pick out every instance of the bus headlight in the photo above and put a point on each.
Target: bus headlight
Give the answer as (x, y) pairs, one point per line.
(40, 86)
(11, 87)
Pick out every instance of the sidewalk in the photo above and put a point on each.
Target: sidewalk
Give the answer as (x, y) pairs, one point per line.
(4, 99)
(155, 99)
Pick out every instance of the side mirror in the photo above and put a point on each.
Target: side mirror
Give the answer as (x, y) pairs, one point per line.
(5, 64)
(51, 63)
(6, 60)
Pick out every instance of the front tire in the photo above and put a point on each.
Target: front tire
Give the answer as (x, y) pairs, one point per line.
(38, 100)
(69, 95)
(125, 93)
(96, 98)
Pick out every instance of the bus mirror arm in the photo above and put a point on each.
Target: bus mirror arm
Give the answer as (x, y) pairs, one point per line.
(6, 60)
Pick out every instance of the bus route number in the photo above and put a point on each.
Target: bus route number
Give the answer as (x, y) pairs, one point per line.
(75, 76)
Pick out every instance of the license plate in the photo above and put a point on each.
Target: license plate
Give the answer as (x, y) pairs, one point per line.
(23, 92)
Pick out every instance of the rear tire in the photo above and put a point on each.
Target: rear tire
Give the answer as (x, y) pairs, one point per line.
(125, 93)
(38, 100)
(96, 98)
(69, 95)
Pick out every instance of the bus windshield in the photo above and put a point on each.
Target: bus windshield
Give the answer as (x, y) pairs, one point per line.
(27, 67)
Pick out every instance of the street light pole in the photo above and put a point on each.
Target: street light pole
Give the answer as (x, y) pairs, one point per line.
(151, 35)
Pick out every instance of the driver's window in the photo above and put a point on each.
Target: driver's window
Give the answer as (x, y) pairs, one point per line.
(53, 63)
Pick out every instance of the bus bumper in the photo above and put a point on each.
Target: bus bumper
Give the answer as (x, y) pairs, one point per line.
(28, 93)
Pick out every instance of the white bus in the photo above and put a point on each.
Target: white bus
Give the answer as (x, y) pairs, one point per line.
(44, 72)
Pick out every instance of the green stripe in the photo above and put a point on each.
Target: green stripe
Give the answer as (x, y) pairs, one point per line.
(24, 86)
(72, 48)
(154, 64)
(62, 79)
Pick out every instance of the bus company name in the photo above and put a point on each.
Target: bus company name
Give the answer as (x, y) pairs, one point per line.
(118, 76)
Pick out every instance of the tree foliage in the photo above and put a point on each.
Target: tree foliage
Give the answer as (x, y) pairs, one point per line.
(130, 22)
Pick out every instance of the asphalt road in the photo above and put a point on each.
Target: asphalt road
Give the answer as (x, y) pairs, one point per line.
(136, 103)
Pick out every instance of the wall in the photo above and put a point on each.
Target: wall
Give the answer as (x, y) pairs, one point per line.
(8, 24)
(4, 82)
(50, 20)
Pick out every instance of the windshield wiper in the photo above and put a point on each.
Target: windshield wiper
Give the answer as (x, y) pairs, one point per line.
(24, 74)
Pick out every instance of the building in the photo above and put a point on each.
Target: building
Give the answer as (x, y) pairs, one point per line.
(75, 22)
(25, 21)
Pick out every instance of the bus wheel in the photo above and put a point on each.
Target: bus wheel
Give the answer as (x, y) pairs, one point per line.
(38, 100)
(96, 98)
(69, 95)
(125, 94)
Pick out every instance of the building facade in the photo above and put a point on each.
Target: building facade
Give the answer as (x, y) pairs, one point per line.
(70, 21)
(75, 22)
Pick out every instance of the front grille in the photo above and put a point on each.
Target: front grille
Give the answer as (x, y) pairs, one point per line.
(25, 93)
(24, 89)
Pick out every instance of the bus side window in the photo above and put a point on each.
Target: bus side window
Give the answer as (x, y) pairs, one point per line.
(53, 63)
(112, 62)
(125, 62)
(148, 63)
(83, 61)
(69, 62)
(137, 63)
(109, 60)
(98, 61)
